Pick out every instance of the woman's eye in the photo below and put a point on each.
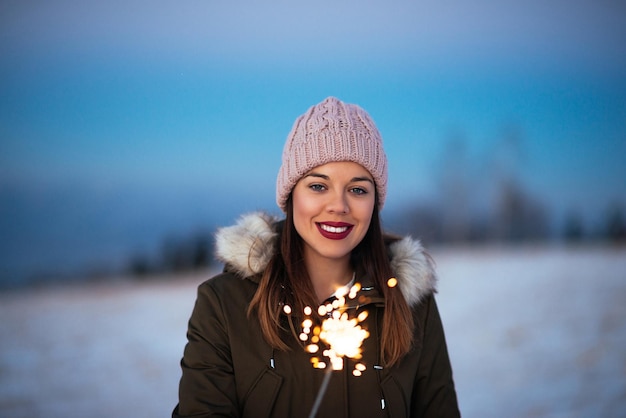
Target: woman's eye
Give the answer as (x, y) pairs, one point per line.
(358, 190)
(316, 187)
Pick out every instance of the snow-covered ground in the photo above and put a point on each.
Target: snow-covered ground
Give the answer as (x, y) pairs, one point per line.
(531, 333)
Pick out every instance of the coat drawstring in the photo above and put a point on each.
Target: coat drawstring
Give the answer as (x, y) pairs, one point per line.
(378, 367)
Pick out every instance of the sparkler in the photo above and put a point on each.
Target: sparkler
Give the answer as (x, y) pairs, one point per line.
(341, 334)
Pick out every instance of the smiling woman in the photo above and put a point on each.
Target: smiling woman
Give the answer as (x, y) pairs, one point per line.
(327, 263)
(332, 210)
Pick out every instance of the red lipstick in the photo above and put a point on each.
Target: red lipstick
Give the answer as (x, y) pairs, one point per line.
(334, 230)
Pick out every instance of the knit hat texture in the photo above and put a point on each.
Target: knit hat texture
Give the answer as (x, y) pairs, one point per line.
(331, 131)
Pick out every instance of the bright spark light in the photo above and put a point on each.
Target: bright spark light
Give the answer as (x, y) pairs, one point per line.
(341, 334)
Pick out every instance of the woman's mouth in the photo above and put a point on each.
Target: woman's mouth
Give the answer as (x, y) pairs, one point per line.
(334, 230)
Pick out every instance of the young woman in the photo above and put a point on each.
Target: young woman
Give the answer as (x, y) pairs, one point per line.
(245, 356)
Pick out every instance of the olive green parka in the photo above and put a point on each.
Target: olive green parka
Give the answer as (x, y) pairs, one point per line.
(228, 370)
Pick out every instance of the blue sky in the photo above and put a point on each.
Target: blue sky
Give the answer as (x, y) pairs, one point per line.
(123, 121)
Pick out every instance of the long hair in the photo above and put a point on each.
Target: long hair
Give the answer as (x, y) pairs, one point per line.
(285, 281)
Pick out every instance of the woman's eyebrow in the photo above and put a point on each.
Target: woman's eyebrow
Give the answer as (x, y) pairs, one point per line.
(325, 177)
(313, 174)
(362, 179)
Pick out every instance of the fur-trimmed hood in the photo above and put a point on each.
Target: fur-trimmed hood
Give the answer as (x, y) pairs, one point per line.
(247, 248)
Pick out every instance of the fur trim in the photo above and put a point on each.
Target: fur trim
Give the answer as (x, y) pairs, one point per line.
(414, 269)
(247, 248)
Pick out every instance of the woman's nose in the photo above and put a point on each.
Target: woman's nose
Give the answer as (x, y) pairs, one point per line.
(338, 203)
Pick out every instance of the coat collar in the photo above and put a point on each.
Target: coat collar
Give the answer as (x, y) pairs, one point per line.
(247, 248)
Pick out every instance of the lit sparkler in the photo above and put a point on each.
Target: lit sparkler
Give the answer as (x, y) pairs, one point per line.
(341, 334)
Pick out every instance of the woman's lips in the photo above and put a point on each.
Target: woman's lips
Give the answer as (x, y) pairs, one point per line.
(334, 230)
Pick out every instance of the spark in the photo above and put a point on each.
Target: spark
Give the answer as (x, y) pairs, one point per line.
(337, 337)
(340, 333)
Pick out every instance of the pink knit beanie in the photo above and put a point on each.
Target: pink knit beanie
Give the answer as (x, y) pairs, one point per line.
(328, 132)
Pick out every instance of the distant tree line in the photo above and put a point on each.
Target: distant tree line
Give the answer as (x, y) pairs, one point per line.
(517, 221)
(516, 218)
(490, 203)
(177, 255)
(612, 229)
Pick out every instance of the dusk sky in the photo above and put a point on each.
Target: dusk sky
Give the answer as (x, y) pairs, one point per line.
(124, 121)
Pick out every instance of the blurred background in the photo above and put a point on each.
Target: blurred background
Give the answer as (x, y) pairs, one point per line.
(130, 130)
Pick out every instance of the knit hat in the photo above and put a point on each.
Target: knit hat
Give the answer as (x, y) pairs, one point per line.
(328, 132)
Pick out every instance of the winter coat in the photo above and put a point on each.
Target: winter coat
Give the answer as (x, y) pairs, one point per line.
(228, 370)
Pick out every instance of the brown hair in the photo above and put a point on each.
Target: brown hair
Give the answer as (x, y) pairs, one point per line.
(285, 281)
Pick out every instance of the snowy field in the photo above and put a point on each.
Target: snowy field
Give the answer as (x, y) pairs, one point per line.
(531, 333)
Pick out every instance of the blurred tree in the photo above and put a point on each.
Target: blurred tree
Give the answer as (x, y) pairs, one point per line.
(573, 228)
(479, 203)
(423, 222)
(455, 190)
(615, 224)
(189, 253)
(177, 255)
(174, 255)
(517, 215)
(201, 251)
(140, 266)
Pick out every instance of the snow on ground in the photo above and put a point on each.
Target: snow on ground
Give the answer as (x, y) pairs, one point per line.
(537, 333)
(531, 333)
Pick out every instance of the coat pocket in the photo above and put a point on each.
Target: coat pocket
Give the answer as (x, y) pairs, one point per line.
(395, 402)
(262, 395)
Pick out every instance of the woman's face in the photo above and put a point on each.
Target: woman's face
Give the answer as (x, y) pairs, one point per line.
(332, 210)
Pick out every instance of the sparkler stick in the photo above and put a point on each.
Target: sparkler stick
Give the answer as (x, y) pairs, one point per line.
(321, 392)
